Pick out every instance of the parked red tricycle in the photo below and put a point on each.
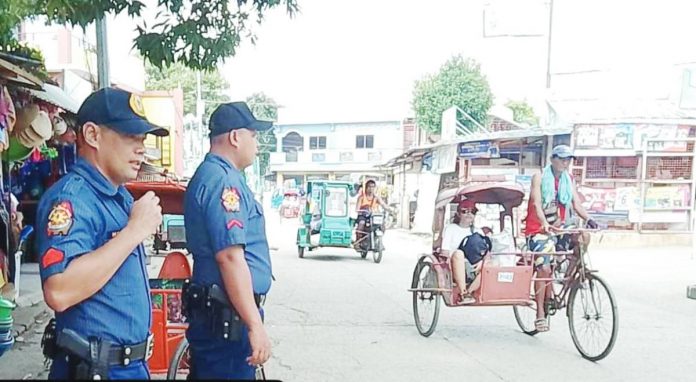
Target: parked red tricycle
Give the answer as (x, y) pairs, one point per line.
(170, 353)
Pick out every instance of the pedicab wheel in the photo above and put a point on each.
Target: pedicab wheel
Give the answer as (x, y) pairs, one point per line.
(300, 251)
(179, 367)
(426, 305)
(525, 317)
(593, 317)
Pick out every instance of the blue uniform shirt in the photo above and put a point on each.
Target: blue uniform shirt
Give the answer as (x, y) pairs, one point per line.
(77, 215)
(220, 211)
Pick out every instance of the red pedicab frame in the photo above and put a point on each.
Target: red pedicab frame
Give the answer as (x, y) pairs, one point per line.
(170, 353)
(587, 296)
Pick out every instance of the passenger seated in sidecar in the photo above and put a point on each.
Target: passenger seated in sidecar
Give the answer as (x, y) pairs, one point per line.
(465, 267)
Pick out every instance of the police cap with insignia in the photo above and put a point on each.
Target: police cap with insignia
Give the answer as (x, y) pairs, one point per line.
(233, 116)
(118, 110)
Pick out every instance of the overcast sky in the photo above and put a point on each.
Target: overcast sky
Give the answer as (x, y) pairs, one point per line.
(357, 60)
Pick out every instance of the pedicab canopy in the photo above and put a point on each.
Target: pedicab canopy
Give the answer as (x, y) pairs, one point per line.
(508, 195)
(171, 194)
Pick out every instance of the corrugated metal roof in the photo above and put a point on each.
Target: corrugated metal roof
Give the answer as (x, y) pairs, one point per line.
(477, 137)
(58, 97)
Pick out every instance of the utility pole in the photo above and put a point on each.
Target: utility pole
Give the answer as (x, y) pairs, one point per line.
(548, 48)
(103, 78)
(200, 108)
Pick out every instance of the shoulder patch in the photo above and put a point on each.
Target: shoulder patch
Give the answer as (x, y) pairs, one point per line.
(52, 256)
(60, 219)
(230, 199)
(234, 223)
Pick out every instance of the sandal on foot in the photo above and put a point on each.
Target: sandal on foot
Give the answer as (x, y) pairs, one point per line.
(541, 325)
(466, 299)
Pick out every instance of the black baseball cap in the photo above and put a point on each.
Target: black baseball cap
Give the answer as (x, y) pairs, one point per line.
(119, 110)
(233, 116)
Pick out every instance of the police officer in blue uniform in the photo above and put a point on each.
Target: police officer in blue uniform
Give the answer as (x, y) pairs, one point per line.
(225, 232)
(90, 234)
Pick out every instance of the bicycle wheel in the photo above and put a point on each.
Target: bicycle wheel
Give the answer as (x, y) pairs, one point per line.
(179, 367)
(426, 305)
(593, 318)
(526, 315)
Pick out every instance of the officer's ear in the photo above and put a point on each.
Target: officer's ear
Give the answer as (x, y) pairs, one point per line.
(89, 134)
(233, 137)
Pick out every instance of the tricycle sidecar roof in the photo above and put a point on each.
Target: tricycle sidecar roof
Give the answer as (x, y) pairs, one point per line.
(509, 195)
(171, 194)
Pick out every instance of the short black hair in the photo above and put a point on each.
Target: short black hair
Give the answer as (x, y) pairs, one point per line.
(370, 181)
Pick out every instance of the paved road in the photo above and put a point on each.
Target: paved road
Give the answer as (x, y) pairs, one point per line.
(335, 317)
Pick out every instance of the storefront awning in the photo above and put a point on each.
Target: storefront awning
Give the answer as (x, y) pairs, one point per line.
(58, 97)
(18, 76)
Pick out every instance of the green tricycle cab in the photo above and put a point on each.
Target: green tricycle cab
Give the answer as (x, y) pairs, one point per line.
(326, 220)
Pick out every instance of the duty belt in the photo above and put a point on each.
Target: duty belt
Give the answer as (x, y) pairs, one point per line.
(124, 355)
(119, 355)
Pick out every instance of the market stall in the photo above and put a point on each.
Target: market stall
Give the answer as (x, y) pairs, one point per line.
(37, 147)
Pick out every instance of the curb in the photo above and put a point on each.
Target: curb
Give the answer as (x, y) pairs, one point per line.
(28, 317)
(28, 300)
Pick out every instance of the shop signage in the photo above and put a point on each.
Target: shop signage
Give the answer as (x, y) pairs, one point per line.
(482, 149)
(630, 136)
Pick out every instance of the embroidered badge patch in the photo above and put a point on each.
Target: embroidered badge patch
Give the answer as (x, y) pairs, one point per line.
(51, 257)
(234, 223)
(136, 103)
(230, 199)
(60, 219)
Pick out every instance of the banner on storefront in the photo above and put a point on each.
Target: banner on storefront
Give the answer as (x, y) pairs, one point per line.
(598, 199)
(483, 149)
(631, 137)
(444, 159)
(667, 197)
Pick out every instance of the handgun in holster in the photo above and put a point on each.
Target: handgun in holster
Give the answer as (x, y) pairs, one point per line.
(87, 359)
(225, 321)
(48, 342)
(193, 299)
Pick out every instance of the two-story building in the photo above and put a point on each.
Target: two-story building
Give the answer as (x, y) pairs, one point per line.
(335, 151)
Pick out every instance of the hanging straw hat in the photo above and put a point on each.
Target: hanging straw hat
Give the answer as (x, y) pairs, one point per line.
(33, 126)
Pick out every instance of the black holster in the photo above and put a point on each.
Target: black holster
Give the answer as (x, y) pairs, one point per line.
(87, 359)
(210, 303)
(48, 340)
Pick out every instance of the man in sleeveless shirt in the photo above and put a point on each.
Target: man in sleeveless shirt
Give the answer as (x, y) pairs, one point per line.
(368, 202)
(553, 193)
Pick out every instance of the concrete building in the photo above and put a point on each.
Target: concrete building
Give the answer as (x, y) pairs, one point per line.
(336, 151)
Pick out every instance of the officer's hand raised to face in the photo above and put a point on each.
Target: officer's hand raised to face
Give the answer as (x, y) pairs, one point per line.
(146, 215)
(260, 346)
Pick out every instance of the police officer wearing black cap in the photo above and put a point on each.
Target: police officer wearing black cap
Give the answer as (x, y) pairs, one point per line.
(225, 232)
(90, 234)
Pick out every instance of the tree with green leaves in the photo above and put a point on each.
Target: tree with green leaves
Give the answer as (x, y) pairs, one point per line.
(198, 34)
(458, 83)
(213, 86)
(522, 112)
(264, 108)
